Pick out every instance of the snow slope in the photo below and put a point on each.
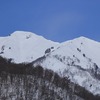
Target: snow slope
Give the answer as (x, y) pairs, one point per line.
(24, 46)
(78, 59)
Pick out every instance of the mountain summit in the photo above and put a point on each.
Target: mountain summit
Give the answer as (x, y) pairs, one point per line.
(77, 59)
(23, 46)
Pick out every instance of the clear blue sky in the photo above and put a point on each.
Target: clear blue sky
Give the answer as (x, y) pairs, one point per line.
(57, 20)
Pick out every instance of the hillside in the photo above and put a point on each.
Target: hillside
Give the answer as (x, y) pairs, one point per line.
(76, 61)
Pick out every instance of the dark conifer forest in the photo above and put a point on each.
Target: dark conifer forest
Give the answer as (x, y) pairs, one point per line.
(26, 82)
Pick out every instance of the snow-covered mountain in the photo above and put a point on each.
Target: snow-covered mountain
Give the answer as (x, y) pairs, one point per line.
(24, 46)
(77, 59)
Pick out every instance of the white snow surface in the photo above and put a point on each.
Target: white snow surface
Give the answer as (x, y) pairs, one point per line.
(24, 46)
(74, 58)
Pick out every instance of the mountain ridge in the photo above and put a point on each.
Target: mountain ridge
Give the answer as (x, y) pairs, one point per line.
(77, 59)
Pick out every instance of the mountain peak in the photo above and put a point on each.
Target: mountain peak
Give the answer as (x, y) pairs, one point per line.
(83, 38)
(22, 33)
(79, 39)
(27, 35)
(24, 46)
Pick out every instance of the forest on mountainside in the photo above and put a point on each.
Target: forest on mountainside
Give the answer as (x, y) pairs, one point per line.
(25, 82)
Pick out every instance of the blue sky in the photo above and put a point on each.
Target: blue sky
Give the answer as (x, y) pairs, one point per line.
(57, 20)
